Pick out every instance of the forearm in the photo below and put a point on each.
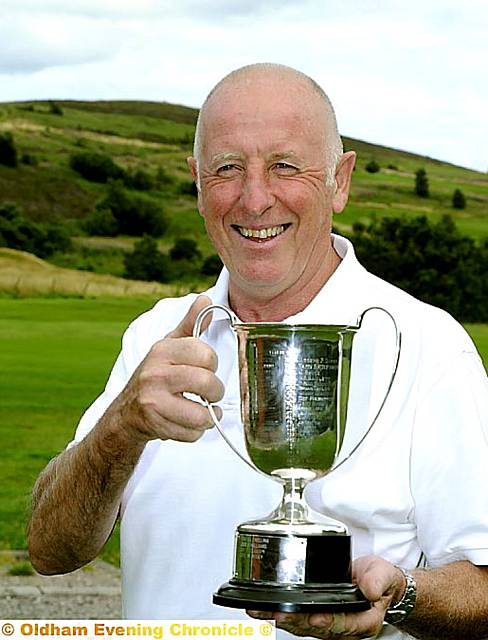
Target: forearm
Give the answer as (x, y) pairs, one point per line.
(76, 498)
(452, 602)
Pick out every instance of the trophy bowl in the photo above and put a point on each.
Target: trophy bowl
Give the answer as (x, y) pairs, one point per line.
(294, 387)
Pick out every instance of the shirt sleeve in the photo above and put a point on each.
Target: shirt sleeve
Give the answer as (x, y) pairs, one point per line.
(449, 464)
(137, 340)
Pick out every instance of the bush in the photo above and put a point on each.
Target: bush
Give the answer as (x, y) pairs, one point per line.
(16, 232)
(55, 109)
(187, 188)
(101, 223)
(185, 249)
(22, 568)
(135, 214)
(421, 183)
(146, 262)
(212, 265)
(96, 167)
(8, 151)
(139, 180)
(372, 167)
(162, 178)
(28, 159)
(458, 199)
(433, 262)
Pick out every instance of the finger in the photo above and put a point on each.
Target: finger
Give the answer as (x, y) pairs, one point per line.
(196, 380)
(261, 615)
(185, 328)
(375, 577)
(184, 413)
(187, 350)
(338, 626)
(363, 624)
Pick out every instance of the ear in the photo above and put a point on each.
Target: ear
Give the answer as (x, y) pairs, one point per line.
(193, 166)
(343, 181)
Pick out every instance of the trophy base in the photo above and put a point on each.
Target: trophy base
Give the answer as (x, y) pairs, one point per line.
(333, 598)
(277, 571)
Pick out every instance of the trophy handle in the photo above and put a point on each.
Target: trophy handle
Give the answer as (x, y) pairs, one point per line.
(196, 334)
(398, 341)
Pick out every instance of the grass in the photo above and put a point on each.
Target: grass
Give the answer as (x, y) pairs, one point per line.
(479, 334)
(24, 275)
(23, 568)
(54, 360)
(55, 355)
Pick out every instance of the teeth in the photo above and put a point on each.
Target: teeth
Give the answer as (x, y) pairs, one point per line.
(270, 232)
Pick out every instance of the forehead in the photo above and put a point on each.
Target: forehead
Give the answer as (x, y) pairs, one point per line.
(264, 112)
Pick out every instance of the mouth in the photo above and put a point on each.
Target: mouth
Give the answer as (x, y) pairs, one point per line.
(261, 234)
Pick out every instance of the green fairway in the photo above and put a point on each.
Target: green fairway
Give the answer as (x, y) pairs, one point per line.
(55, 355)
(54, 359)
(479, 333)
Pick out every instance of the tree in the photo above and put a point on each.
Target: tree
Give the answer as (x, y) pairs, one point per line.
(162, 178)
(136, 214)
(17, 232)
(212, 265)
(55, 109)
(185, 249)
(372, 167)
(8, 151)
(421, 183)
(187, 188)
(139, 180)
(101, 222)
(96, 167)
(458, 199)
(146, 262)
(433, 262)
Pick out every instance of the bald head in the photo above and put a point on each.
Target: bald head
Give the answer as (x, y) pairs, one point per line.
(249, 79)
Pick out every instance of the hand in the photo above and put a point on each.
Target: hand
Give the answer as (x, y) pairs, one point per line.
(379, 581)
(152, 404)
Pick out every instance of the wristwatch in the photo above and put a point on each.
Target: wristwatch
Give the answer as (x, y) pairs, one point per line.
(397, 614)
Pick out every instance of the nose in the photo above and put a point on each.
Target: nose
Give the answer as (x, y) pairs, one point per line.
(256, 195)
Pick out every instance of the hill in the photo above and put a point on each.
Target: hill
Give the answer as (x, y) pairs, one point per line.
(156, 138)
(152, 140)
(25, 275)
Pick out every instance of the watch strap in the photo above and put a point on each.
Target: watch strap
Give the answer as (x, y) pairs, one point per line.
(398, 612)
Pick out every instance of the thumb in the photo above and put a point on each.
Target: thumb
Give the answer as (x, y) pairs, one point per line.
(185, 328)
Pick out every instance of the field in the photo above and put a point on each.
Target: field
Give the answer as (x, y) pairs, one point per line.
(54, 358)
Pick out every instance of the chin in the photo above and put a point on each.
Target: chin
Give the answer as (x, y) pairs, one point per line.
(262, 281)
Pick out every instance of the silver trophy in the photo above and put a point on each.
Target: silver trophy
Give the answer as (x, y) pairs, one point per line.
(294, 384)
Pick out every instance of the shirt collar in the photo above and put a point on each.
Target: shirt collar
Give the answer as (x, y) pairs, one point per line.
(340, 301)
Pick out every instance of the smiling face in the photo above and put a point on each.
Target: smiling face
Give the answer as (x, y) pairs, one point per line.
(263, 192)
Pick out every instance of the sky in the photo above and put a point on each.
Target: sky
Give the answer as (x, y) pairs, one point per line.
(410, 75)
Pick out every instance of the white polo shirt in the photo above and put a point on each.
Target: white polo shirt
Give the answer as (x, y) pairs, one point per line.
(416, 485)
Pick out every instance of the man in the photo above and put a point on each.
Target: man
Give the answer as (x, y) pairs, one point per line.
(270, 171)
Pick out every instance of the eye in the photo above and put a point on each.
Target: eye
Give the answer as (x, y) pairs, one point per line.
(284, 168)
(228, 169)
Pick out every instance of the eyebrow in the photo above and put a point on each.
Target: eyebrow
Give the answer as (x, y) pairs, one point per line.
(224, 157)
(283, 155)
(230, 155)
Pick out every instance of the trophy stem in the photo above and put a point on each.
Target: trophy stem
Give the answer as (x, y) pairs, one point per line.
(293, 509)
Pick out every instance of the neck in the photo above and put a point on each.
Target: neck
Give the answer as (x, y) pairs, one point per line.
(250, 306)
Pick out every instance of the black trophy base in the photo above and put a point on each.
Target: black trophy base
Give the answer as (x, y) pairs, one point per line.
(346, 598)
